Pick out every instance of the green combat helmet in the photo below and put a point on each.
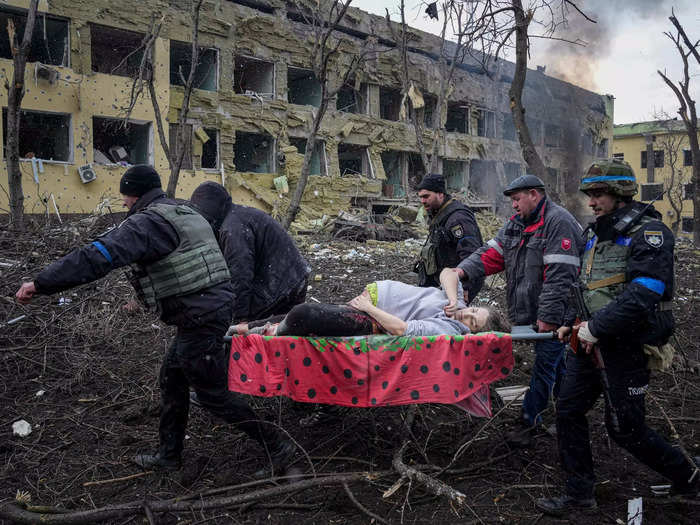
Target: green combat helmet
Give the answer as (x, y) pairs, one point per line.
(612, 175)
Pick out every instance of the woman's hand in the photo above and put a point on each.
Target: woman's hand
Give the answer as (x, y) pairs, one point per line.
(362, 302)
(450, 309)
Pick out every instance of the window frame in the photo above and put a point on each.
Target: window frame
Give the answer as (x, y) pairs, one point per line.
(71, 144)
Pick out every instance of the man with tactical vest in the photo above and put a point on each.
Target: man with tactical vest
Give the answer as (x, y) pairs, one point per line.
(627, 280)
(538, 250)
(453, 235)
(177, 266)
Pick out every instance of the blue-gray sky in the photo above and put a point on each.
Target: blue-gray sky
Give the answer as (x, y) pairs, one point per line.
(625, 49)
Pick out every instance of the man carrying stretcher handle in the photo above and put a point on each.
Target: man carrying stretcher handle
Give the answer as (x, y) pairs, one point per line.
(390, 307)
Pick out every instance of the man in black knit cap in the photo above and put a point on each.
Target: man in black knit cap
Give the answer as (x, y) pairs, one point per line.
(177, 267)
(452, 237)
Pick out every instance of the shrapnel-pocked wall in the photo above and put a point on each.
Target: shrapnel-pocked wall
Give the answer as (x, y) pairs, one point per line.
(254, 106)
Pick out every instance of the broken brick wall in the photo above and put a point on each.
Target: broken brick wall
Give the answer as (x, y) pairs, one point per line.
(266, 123)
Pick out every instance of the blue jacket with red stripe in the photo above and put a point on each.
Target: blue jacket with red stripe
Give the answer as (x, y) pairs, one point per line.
(540, 258)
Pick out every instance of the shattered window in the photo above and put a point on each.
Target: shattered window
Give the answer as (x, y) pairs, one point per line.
(253, 76)
(187, 138)
(49, 39)
(455, 172)
(658, 158)
(318, 157)
(509, 132)
(116, 143)
(534, 126)
(457, 120)
(618, 156)
(416, 169)
(393, 187)
(254, 152)
(482, 178)
(513, 170)
(389, 103)
(603, 149)
(210, 149)
(652, 191)
(353, 160)
(115, 51)
(429, 110)
(687, 224)
(351, 100)
(552, 135)
(205, 74)
(302, 87)
(485, 123)
(42, 135)
(688, 190)
(255, 4)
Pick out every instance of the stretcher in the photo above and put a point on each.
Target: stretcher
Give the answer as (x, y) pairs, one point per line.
(376, 370)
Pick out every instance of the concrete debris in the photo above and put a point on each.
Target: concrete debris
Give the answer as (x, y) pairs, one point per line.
(21, 428)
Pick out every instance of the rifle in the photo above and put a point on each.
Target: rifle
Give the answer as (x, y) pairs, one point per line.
(582, 314)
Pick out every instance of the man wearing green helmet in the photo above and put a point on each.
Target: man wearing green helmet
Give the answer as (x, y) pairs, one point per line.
(627, 270)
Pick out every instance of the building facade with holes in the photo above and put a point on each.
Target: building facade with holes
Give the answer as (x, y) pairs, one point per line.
(666, 180)
(251, 111)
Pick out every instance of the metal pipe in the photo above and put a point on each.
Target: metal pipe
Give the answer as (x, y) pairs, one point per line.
(519, 333)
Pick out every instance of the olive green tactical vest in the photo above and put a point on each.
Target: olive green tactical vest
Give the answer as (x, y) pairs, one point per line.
(429, 252)
(196, 264)
(605, 266)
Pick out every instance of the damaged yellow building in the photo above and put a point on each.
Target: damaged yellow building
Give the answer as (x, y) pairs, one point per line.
(667, 180)
(252, 109)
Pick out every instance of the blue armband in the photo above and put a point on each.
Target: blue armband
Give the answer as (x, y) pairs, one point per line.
(103, 250)
(651, 284)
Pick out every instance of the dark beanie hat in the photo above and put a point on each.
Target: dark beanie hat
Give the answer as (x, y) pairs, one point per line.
(433, 182)
(213, 202)
(138, 179)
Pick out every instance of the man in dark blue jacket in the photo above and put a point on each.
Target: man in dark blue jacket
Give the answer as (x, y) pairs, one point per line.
(177, 267)
(627, 270)
(268, 274)
(538, 249)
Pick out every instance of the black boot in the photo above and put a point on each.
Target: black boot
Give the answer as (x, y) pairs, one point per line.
(560, 505)
(690, 488)
(194, 399)
(281, 454)
(157, 462)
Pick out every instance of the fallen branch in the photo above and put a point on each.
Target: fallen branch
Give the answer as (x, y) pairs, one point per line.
(435, 486)
(17, 513)
(360, 506)
(117, 480)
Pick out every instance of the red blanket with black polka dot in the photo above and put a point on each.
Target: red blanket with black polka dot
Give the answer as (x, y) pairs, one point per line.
(376, 370)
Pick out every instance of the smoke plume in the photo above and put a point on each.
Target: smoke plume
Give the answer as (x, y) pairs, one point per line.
(577, 63)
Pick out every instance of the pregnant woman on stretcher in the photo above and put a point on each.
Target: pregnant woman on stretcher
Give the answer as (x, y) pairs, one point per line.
(386, 307)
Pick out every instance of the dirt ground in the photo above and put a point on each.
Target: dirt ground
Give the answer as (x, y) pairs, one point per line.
(83, 373)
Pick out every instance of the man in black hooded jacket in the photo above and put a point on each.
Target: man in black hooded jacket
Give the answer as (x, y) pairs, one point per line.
(178, 268)
(268, 274)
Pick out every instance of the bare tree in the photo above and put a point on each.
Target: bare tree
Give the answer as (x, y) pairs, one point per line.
(323, 20)
(454, 15)
(144, 81)
(497, 25)
(686, 48)
(15, 94)
(671, 142)
(179, 154)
